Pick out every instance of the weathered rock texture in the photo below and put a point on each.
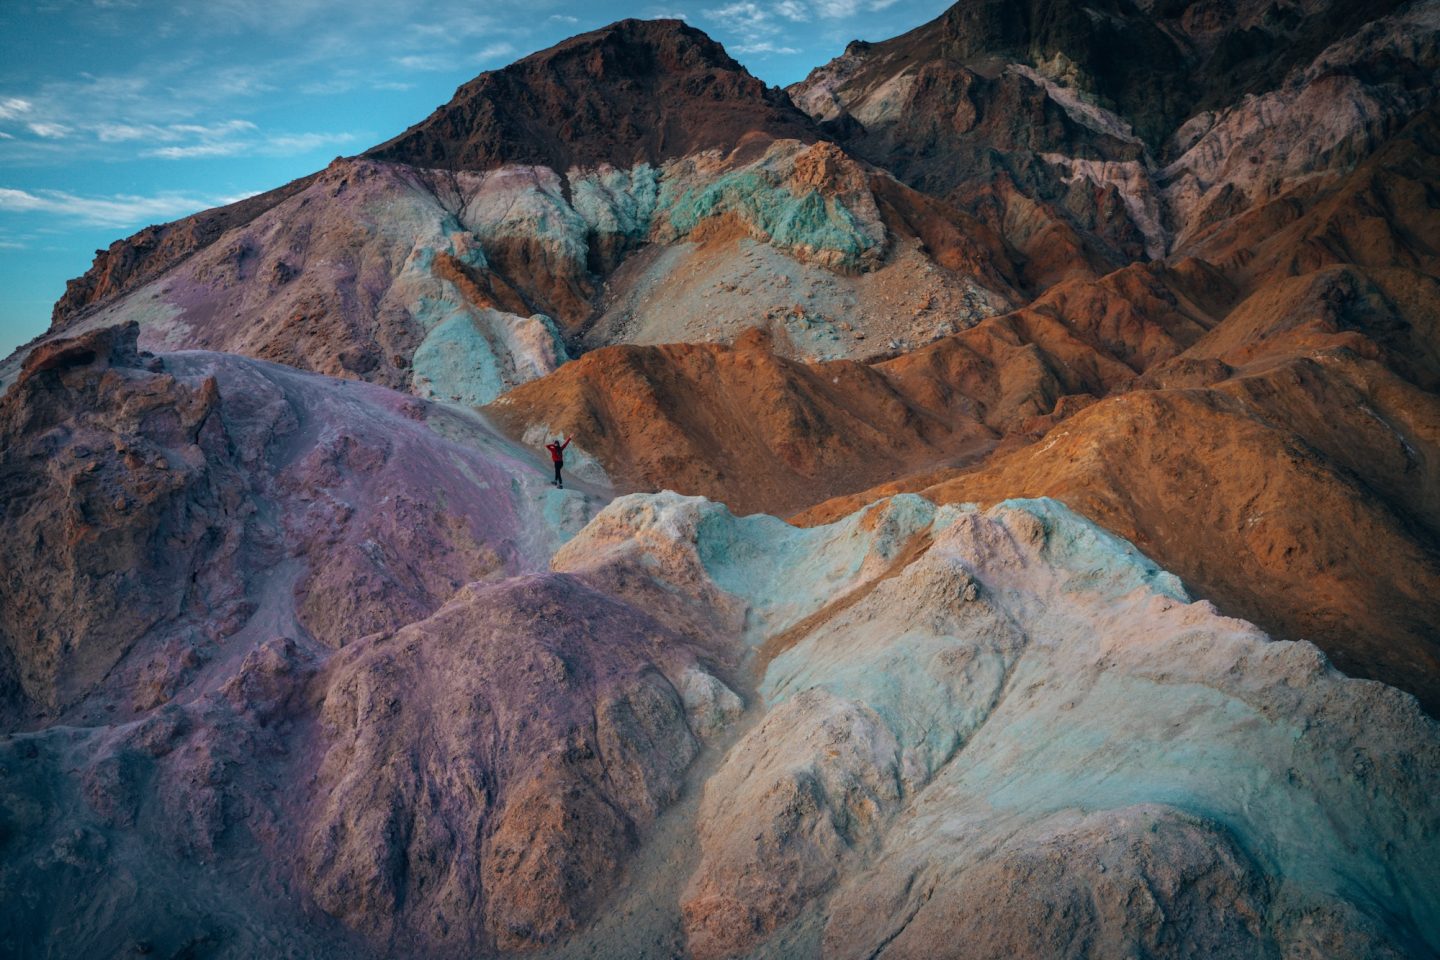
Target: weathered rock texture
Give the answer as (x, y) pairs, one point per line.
(938, 708)
(1014, 715)
(297, 665)
(539, 737)
(1300, 427)
(160, 510)
(638, 91)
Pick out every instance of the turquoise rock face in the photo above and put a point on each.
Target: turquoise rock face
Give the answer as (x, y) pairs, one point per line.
(807, 223)
(784, 573)
(472, 356)
(455, 361)
(634, 204)
(616, 202)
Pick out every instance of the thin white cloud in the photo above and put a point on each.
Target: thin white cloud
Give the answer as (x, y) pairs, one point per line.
(439, 62)
(762, 28)
(169, 133)
(121, 210)
(495, 51)
(563, 18)
(793, 10)
(197, 150)
(754, 27)
(12, 107)
(50, 131)
(763, 47)
(425, 62)
(286, 144)
(273, 145)
(741, 15)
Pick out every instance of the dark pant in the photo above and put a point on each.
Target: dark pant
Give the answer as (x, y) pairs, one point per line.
(558, 465)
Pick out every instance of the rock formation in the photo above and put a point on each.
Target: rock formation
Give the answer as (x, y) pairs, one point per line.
(1091, 350)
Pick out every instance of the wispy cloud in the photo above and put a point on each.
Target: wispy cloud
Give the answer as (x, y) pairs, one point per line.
(272, 145)
(763, 47)
(562, 18)
(425, 62)
(754, 26)
(12, 107)
(195, 151)
(205, 58)
(50, 131)
(438, 62)
(172, 132)
(121, 210)
(759, 28)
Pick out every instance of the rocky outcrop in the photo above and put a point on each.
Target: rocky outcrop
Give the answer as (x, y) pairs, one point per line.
(1028, 117)
(163, 509)
(946, 729)
(460, 286)
(115, 480)
(637, 91)
(540, 734)
(129, 263)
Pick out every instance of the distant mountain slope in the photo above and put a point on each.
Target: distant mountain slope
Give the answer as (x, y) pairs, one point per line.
(637, 91)
(631, 184)
(1090, 135)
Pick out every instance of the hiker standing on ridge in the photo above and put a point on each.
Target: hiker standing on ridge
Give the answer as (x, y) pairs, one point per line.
(557, 455)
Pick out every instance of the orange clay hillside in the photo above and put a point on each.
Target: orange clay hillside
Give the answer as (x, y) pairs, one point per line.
(761, 432)
(1313, 463)
(1296, 414)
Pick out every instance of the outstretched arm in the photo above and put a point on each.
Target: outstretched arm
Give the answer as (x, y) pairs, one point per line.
(565, 444)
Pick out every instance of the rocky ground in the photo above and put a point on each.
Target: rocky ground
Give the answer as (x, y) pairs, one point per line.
(1090, 351)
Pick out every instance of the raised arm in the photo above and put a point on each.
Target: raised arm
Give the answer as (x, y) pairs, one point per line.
(565, 444)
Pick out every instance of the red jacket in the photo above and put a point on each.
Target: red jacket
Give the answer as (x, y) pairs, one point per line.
(555, 450)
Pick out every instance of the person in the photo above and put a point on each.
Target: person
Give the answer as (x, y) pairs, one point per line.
(557, 456)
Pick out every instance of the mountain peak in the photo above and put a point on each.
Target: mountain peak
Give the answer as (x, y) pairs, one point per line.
(634, 91)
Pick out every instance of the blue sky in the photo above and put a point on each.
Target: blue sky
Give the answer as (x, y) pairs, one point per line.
(119, 113)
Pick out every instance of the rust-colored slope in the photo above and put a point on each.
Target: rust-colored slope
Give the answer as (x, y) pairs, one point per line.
(760, 432)
(738, 423)
(1384, 213)
(1285, 468)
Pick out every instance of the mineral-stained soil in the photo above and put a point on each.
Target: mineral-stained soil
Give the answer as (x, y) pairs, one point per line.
(832, 740)
(1304, 429)
(1092, 349)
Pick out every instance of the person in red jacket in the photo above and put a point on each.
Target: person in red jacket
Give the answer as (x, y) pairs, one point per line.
(557, 456)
